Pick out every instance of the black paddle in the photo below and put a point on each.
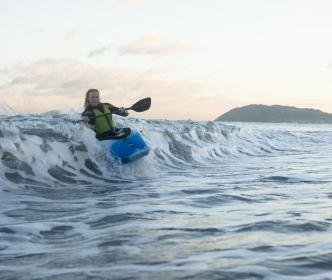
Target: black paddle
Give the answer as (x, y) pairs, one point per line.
(141, 106)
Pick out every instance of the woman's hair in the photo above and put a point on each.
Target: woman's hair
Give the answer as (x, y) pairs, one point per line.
(87, 95)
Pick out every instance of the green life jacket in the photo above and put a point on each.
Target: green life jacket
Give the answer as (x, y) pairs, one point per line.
(104, 123)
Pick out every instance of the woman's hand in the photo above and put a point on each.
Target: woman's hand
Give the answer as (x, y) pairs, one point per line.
(123, 111)
(86, 119)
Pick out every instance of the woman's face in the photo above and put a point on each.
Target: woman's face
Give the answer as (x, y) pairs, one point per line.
(94, 98)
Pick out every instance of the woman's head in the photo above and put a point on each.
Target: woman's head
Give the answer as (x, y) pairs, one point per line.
(92, 98)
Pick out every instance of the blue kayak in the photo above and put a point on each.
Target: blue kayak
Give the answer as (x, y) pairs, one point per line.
(128, 149)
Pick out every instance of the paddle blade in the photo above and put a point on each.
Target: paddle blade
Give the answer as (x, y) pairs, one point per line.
(141, 105)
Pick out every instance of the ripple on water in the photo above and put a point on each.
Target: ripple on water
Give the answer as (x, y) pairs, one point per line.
(285, 226)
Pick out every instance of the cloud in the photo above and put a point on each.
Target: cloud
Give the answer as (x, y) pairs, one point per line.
(130, 3)
(4, 9)
(40, 78)
(71, 34)
(100, 51)
(37, 30)
(155, 44)
(60, 84)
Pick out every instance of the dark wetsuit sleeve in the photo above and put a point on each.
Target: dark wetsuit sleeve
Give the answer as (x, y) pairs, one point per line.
(91, 116)
(116, 110)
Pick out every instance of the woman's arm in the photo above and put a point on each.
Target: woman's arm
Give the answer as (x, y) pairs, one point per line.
(118, 110)
(89, 118)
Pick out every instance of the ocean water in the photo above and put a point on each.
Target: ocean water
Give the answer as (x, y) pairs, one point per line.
(211, 201)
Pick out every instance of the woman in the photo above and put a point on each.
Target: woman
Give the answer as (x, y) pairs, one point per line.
(99, 117)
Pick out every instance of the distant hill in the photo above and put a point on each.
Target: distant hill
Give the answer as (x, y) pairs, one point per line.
(275, 114)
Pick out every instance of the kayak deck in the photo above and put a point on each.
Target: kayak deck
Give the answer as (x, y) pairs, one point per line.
(128, 149)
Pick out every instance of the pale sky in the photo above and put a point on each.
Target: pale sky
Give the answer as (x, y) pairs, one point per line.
(196, 58)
